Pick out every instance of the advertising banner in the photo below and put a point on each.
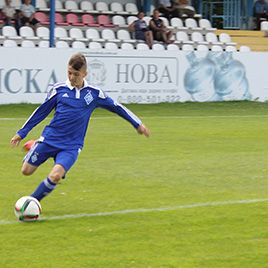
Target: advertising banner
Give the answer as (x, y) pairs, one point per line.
(26, 75)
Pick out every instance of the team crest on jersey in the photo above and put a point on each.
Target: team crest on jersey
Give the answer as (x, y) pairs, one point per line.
(88, 98)
(34, 157)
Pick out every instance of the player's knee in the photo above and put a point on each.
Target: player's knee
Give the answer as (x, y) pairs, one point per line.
(55, 176)
(26, 171)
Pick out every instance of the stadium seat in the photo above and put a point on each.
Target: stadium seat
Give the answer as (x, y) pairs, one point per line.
(187, 47)
(9, 43)
(109, 35)
(147, 19)
(27, 43)
(61, 33)
(226, 39)
(102, 7)
(59, 6)
(43, 44)
(59, 20)
(158, 47)
(264, 27)
(10, 33)
(78, 45)
(191, 23)
(110, 46)
(87, 7)
(127, 46)
(42, 32)
(77, 34)
(130, 19)
(202, 48)
(206, 25)
(72, 6)
(182, 37)
(213, 39)
(94, 35)
(244, 49)
(42, 17)
(142, 46)
(62, 44)
(198, 38)
(131, 8)
(165, 21)
(216, 48)
(230, 49)
(119, 20)
(27, 33)
(94, 45)
(124, 36)
(72, 19)
(41, 5)
(104, 21)
(117, 8)
(177, 23)
(172, 47)
(89, 20)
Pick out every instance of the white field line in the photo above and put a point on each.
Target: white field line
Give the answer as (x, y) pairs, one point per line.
(153, 116)
(145, 210)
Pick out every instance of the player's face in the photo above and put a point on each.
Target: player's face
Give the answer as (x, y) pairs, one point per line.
(77, 77)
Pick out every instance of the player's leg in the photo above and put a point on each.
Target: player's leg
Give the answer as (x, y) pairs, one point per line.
(63, 162)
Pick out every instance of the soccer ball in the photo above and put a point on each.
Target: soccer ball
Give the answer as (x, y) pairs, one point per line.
(27, 208)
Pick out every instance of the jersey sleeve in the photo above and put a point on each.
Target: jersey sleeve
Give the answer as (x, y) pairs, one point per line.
(39, 114)
(109, 104)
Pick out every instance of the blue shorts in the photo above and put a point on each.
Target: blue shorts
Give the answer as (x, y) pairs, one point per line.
(40, 152)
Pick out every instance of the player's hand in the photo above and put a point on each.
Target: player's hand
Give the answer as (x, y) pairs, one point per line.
(15, 141)
(143, 130)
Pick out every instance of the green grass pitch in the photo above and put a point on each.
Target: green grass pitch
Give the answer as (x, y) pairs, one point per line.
(197, 153)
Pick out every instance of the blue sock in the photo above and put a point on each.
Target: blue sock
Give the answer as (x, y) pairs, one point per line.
(44, 188)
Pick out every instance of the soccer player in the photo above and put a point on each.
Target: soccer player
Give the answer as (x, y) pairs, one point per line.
(63, 139)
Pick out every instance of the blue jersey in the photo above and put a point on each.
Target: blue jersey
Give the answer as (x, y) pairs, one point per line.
(73, 108)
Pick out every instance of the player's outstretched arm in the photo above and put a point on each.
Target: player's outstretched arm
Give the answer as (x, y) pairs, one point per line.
(15, 141)
(143, 130)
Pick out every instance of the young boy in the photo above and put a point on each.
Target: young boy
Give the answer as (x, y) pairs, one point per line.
(63, 138)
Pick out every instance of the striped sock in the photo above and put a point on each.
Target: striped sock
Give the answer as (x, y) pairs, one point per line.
(43, 189)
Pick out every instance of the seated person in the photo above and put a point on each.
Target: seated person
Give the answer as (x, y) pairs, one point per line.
(260, 12)
(8, 12)
(141, 30)
(183, 7)
(166, 8)
(26, 14)
(160, 31)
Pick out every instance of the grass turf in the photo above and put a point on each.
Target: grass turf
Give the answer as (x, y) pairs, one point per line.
(197, 153)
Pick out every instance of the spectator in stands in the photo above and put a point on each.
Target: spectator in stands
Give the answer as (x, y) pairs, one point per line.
(183, 7)
(26, 14)
(8, 13)
(166, 7)
(260, 12)
(141, 30)
(160, 31)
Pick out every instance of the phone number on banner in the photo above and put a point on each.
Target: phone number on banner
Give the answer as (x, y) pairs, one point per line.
(148, 99)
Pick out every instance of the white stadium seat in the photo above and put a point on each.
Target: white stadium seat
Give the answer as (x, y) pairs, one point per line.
(61, 33)
(77, 34)
(158, 47)
(111, 46)
(62, 44)
(28, 33)
(78, 44)
(187, 47)
(127, 46)
(244, 49)
(124, 35)
(142, 46)
(94, 35)
(43, 44)
(10, 33)
(94, 45)
(131, 8)
(109, 35)
(9, 43)
(172, 47)
(27, 43)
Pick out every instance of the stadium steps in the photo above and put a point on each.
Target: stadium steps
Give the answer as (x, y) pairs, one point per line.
(256, 40)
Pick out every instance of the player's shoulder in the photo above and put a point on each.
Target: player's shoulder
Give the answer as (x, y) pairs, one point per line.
(56, 88)
(98, 92)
